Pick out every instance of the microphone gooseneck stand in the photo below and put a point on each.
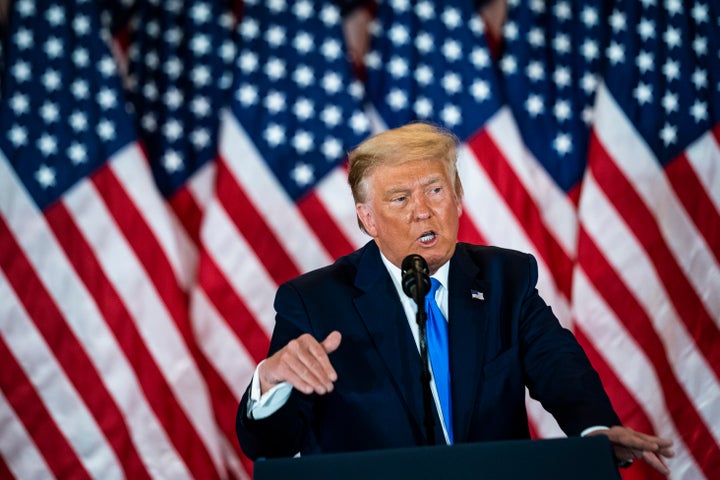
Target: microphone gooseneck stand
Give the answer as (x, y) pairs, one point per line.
(416, 284)
(421, 319)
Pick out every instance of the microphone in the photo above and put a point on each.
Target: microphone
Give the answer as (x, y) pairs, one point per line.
(415, 277)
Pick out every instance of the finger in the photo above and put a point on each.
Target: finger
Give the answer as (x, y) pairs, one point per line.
(330, 344)
(631, 439)
(656, 462)
(332, 341)
(302, 381)
(314, 364)
(660, 442)
(666, 452)
(281, 367)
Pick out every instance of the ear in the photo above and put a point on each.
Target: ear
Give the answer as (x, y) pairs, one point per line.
(458, 204)
(365, 214)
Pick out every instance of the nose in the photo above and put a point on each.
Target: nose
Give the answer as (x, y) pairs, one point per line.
(421, 208)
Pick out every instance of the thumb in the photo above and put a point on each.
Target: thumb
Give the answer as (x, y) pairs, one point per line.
(332, 341)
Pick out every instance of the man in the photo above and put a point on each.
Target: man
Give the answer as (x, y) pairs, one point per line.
(343, 368)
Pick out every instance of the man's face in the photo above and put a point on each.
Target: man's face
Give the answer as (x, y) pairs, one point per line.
(411, 207)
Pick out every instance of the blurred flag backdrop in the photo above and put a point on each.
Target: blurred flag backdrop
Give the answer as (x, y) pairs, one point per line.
(164, 165)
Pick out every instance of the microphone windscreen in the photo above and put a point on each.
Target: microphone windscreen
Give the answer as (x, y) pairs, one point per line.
(415, 276)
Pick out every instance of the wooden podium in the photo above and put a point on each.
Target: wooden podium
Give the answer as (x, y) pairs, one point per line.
(587, 458)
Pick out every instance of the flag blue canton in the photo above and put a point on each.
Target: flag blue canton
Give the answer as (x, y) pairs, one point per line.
(430, 62)
(663, 71)
(66, 114)
(552, 65)
(179, 76)
(294, 91)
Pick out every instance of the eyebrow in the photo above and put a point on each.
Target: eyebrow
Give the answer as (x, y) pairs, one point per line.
(429, 181)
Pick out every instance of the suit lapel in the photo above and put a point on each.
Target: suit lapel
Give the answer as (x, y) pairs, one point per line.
(386, 324)
(467, 329)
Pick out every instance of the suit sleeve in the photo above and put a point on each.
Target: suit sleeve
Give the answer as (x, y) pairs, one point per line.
(558, 372)
(283, 433)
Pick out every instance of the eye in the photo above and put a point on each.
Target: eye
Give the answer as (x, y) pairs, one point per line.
(399, 199)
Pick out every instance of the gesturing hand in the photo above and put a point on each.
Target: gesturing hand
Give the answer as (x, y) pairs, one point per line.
(630, 445)
(304, 363)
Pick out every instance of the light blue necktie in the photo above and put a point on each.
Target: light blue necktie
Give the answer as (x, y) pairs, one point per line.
(437, 338)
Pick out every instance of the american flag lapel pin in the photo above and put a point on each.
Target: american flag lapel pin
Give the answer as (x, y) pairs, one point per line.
(477, 295)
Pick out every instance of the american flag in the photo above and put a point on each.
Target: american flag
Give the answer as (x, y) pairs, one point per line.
(528, 185)
(644, 247)
(102, 373)
(152, 201)
(648, 267)
(294, 112)
(550, 69)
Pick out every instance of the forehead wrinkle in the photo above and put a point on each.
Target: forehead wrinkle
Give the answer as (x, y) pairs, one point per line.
(424, 182)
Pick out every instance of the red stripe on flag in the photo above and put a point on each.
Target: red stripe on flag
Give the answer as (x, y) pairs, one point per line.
(70, 354)
(697, 202)
(468, 232)
(225, 406)
(607, 282)
(524, 208)
(332, 238)
(628, 409)
(155, 387)
(23, 398)
(277, 261)
(630, 206)
(188, 212)
(4, 469)
(232, 308)
(143, 242)
(631, 413)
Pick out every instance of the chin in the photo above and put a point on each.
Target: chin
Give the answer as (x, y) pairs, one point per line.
(436, 260)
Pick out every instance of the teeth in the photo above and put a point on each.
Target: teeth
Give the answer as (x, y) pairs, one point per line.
(427, 237)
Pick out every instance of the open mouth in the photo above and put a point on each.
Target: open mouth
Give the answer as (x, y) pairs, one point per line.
(427, 237)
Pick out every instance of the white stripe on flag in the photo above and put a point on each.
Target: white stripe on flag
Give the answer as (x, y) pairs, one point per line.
(268, 196)
(619, 350)
(704, 158)
(642, 170)
(153, 321)
(242, 269)
(202, 185)
(336, 197)
(630, 261)
(131, 168)
(18, 450)
(80, 311)
(58, 394)
(220, 345)
(555, 208)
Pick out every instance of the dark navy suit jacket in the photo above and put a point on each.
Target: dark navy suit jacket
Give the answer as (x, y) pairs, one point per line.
(498, 346)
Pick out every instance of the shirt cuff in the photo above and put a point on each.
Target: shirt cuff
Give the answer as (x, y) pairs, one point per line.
(590, 430)
(263, 405)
